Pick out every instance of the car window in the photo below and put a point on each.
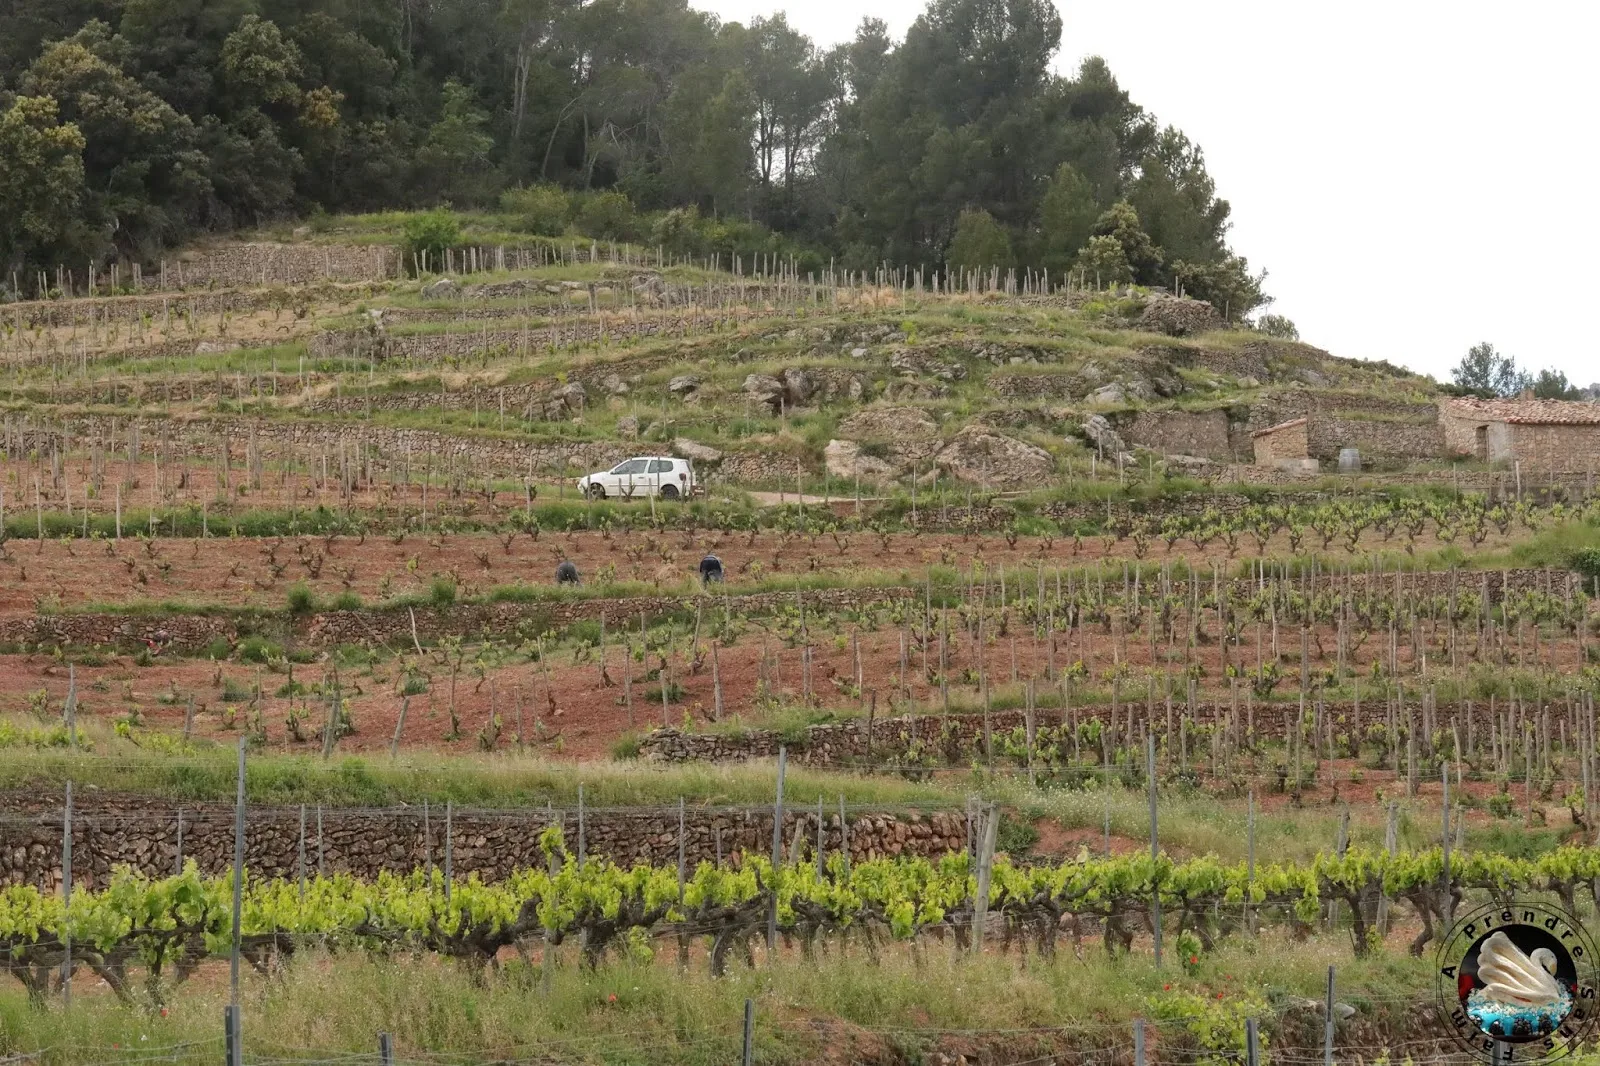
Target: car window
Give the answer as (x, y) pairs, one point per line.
(632, 466)
(660, 466)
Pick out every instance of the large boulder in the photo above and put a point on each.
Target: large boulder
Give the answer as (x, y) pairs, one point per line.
(845, 459)
(700, 453)
(1112, 395)
(614, 385)
(572, 396)
(683, 384)
(912, 362)
(443, 289)
(1178, 316)
(794, 389)
(1102, 436)
(764, 387)
(889, 423)
(798, 386)
(979, 454)
(628, 427)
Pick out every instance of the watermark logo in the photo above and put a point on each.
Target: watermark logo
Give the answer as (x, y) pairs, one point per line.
(1517, 983)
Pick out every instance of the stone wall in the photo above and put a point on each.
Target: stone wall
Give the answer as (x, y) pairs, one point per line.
(434, 346)
(1275, 444)
(201, 439)
(1556, 448)
(190, 633)
(1379, 426)
(1202, 433)
(1461, 434)
(264, 264)
(1374, 437)
(1541, 449)
(928, 740)
(341, 627)
(163, 307)
(111, 831)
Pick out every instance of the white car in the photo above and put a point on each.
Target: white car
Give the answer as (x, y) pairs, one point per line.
(648, 475)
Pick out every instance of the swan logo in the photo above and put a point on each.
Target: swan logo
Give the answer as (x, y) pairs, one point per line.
(1517, 983)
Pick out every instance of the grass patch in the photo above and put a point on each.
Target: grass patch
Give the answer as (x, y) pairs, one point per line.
(901, 1007)
(207, 775)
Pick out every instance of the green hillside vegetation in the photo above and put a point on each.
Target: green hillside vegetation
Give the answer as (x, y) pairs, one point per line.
(127, 128)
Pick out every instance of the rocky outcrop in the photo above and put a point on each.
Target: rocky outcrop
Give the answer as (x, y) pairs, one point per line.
(700, 453)
(1099, 433)
(980, 455)
(1178, 316)
(889, 424)
(845, 459)
(911, 362)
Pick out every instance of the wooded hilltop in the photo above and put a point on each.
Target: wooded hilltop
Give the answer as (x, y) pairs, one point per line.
(131, 126)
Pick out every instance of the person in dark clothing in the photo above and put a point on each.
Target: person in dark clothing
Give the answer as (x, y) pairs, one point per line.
(710, 570)
(567, 574)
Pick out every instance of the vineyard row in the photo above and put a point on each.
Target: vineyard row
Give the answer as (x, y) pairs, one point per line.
(167, 927)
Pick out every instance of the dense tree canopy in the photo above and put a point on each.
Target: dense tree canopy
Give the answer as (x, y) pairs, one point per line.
(138, 123)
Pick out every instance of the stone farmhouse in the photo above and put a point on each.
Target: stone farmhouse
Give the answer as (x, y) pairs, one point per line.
(1550, 436)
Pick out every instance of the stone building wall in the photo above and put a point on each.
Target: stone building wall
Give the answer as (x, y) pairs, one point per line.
(1460, 433)
(1290, 440)
(1374, 437)
(1558, 448)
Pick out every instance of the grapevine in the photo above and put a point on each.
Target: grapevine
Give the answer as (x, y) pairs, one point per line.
(167, 927)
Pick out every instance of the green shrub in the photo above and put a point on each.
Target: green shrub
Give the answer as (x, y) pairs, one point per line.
(347, 601)
(607, 216)
(1014, 836)
(428, 235)
(677, 231)
(301, 599)
(1586, 561)
(258, 650)
(539, 209)
(443, 592)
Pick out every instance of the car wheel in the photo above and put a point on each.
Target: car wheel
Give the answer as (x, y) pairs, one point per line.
(669, 492)
(597, 492)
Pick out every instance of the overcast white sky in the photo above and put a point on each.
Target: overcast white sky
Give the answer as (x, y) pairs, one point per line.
(1415, 176)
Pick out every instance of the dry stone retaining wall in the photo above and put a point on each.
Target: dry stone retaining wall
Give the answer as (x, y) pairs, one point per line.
(263, 264)
(190, 633)
(142, 833)
(1203, 433)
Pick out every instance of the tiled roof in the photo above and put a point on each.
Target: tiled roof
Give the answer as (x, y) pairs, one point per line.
(1528, 412)
(1281, 425)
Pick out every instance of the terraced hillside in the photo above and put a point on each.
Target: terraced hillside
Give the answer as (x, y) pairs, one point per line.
(538, 374)
(985, 540)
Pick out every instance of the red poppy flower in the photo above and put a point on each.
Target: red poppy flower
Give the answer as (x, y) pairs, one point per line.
(1166, 988)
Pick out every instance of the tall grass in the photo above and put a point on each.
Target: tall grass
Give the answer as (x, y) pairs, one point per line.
(207, 774)
(896, 1008)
